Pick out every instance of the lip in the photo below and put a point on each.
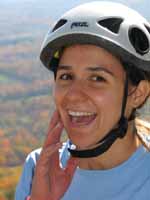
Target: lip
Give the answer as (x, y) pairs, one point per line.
(80, 124)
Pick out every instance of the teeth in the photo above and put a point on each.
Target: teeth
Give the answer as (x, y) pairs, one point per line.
(73, 113)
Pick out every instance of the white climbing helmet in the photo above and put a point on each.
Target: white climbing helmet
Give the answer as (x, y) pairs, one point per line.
(112, 26)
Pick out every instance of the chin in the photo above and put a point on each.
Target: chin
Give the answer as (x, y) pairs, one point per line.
(81, 142)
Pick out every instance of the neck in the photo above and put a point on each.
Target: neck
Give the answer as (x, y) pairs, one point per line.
(119, 152)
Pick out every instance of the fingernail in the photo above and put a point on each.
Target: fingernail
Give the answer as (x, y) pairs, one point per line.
(59, 144)
(60, 124)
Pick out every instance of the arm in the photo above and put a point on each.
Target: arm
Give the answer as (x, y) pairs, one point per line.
(24, 186)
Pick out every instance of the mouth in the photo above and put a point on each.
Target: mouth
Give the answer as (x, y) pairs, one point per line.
(78, 118)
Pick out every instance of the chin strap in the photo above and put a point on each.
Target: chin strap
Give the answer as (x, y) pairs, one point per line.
(105, 143)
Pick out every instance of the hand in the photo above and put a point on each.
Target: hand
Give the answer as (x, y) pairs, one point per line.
(50, 181)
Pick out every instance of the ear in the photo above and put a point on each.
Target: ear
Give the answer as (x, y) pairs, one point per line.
(141, 93)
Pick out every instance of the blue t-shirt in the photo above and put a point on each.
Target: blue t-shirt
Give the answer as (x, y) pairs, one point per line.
(130, 180)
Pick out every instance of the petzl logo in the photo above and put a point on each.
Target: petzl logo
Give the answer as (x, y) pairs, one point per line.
(79, 24)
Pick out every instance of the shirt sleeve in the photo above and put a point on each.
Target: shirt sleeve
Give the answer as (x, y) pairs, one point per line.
(23, 188)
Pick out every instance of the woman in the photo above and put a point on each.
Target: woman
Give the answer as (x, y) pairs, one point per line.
(100, 55)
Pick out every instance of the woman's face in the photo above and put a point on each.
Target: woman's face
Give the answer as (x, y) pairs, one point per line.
(88, 93)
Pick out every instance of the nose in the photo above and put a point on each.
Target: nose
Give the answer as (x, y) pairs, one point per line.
(77, 92)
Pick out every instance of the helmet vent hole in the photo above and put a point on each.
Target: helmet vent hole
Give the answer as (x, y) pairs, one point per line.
(59, 24)
(148, 28)
(139, 40)
(112, 24)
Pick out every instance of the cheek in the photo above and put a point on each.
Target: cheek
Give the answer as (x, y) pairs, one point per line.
(109, 105)
(109, 110)
(106, 99)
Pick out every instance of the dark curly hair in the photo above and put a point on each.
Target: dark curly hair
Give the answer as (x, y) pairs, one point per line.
(135, 75)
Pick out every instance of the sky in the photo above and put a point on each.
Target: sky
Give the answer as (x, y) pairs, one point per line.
(55, 8)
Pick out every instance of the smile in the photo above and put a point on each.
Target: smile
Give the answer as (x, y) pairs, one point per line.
(81, 118)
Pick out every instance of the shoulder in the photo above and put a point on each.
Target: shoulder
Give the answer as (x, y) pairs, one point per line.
(24, 186)
(33, 157)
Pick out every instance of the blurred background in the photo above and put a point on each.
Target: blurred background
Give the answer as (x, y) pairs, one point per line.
(26, 101)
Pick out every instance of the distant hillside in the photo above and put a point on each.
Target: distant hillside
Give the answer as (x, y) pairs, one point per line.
(25, 98)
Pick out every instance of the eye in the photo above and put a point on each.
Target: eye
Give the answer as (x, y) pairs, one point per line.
(98, 78)
(65, 77)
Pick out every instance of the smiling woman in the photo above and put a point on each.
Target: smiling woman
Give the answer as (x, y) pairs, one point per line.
(101, 76)
(92, 83)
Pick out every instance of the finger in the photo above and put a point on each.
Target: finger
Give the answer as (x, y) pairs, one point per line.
(54, 120)
(54, 135)
(48, 153)
(55, 160)
(71, 167)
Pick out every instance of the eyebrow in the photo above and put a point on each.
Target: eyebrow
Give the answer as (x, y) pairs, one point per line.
(93, 69)
(64, 67)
